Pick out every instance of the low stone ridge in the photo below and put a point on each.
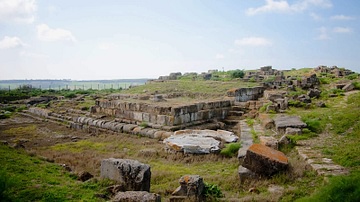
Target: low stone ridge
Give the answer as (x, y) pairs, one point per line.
(191, 186)
(136, 196)
(198, 141)
(131, 174)
(264, 160)
(284, 121)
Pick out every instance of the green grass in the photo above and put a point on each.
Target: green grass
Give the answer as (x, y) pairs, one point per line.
(27, 178)
(190, 87)
(339, 188)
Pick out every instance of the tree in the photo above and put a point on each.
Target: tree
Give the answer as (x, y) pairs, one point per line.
(237, 73)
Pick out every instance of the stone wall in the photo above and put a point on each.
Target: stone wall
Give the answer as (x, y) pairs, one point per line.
(246, 94)
(153, 114)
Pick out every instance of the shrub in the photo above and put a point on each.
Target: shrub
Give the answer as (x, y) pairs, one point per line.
(212, 192)
(353, 76)
(237, 74)
(313, 124)
(70, 95)
(356, 85)
(230, 150)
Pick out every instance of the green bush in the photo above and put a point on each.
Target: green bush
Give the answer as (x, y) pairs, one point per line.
(230, 150)
(339, 188)
(353, 76)
(212, 192)
(313, 124)
(356, 85)
(237, 73)
(70, 95)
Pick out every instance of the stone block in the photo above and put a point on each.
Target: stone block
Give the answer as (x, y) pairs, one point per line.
(264, 160)
(246, 174)
(293, 131)
(131, 174)
(191, 186)
(269, 142)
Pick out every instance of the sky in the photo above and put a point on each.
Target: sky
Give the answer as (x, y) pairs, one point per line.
(118, 39)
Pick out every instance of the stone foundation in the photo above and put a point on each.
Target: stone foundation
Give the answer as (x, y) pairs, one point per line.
(160, 115)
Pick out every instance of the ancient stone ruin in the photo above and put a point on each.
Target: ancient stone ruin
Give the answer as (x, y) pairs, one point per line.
(191, 188)
(264, 160)
(130, 174)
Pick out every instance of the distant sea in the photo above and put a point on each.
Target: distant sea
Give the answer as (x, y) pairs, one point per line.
(72, 84)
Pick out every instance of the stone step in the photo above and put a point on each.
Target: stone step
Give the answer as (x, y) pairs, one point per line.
(315, 160)
(238, 108)
(231, 121)
(236, 113)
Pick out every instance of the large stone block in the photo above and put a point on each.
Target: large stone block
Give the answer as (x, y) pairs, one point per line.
(264, 160)
(131, 174)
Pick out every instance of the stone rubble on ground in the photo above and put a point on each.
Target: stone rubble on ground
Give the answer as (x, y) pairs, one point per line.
(131, 174)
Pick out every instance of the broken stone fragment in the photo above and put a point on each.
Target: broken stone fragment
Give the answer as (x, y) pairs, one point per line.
(191, 186)
(264, 160)
(131, 174)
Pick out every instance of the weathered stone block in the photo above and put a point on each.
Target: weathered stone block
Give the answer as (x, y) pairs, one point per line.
(191, 186)
(264, 160)
(131, 174)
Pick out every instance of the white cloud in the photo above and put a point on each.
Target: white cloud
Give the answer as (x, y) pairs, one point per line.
(283, 6)
(11, 42)
(45, 33)
(17, 11)
(219, 56)
(32, 55)
(341, 17)
(342, 30)
(323, 34)
(107, 46)
(316, 17)
(253, 41)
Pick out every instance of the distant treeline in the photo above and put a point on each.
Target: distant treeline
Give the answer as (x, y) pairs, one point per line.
(72, 84)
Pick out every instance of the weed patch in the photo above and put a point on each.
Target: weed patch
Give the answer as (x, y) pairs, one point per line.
(230, 150)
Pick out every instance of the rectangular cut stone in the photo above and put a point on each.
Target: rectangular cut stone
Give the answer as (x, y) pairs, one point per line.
(264, 160)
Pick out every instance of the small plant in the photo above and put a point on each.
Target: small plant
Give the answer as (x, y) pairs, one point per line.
(250, 122)
(230, 150)
(254, 135)
(212, 191)
(144, 125)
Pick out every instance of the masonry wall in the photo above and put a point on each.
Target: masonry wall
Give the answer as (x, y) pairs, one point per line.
(246, 94)
(164, 115)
